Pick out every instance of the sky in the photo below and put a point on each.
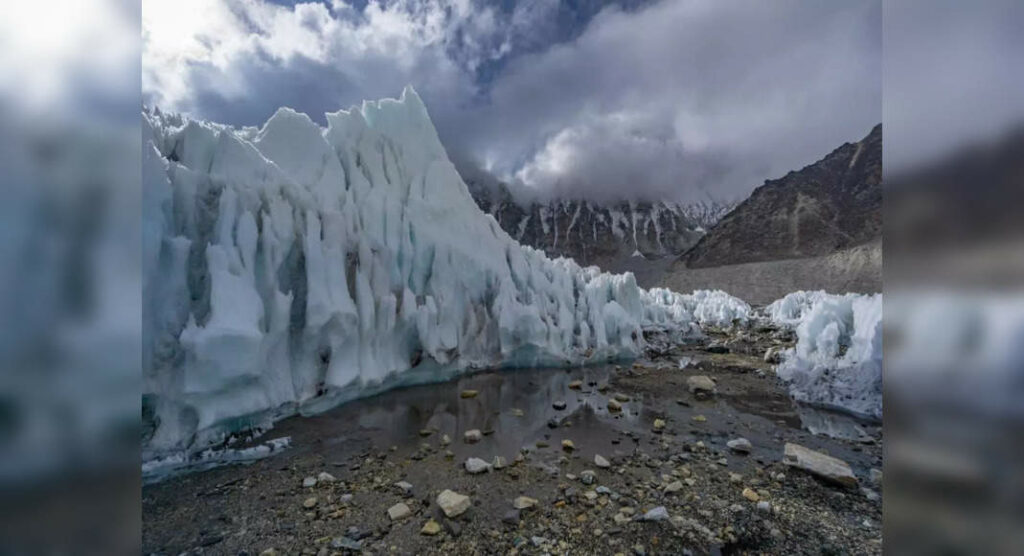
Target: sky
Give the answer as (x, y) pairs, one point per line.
(682, 100)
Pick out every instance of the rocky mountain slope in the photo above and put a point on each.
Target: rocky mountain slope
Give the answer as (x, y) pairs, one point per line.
(833, 204)
(627, 236)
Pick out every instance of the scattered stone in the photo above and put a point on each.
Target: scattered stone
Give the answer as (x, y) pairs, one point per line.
(826, 467)
(347, 543)
(477, 465)
(426, 432)
(749, 494)
(657, 514)
(269, 552)
(472, 436)
(699, 418)
(620, 519)
(309, 503)
(567, 445)
(620, 397)
(430, 528)
(511, 517)
(446, 440)
(325, 477)
(499, 462)
(405, 487)
(516, 412)
(764, 506)
(309, 482)
(453, 503)
(659, 425)
(559, 405)
(740, 445)
(524, 502)
(614, 406)
(466, 394)
(588, 477)
(700, 384)
(590, 495)
(875, 475)
(576, 384)
(674, 486)
(399, 511)
(600, 461)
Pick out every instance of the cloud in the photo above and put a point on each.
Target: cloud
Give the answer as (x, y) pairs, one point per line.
(677, 99)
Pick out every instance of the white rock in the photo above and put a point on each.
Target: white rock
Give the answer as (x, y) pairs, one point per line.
(405, 487)
(477, 465)
(524, 502)
(740, 445)
(472, 436)
(399, 511)
(700, 384)
(453, 503)
(824, 466)
(309, 482)
(325, 477)
(601, 462)
(656, 514)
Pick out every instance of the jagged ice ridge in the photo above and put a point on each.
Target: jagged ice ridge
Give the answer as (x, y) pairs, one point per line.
(291, 268)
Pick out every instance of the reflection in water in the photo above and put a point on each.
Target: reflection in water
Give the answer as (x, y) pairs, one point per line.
(513, 409)
(832, 424)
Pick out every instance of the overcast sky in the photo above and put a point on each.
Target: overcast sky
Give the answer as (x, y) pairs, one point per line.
(665, 99)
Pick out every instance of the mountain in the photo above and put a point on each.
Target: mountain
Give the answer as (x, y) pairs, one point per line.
(833, 204)
(816, 228)
(641, 237)
(292, 268)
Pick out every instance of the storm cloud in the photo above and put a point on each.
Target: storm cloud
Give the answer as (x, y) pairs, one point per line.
(684, 100)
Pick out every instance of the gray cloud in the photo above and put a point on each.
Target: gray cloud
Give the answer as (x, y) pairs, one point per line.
(675, 99)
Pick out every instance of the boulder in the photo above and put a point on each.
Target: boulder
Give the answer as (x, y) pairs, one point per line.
(824, 466)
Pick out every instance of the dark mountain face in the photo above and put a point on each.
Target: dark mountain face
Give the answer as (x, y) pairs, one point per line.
(616, 238)
(830, 205)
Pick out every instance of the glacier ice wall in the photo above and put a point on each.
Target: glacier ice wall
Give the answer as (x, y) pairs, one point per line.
(837, 360)
(289, 268)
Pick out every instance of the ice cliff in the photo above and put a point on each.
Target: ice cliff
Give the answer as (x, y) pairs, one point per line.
(293, 267)
(837, 361)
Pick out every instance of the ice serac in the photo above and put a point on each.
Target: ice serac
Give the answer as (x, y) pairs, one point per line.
(837, 361)
(295, 267)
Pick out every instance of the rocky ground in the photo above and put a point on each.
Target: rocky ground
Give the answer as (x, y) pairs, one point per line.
(628, 459)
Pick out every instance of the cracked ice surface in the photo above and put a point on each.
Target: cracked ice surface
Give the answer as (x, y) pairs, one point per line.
(295, 267)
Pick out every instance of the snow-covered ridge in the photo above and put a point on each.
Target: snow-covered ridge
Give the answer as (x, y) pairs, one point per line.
(292, 268)
(818, 370)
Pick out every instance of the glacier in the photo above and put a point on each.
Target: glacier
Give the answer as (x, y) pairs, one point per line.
(293, 267)
(837, 360)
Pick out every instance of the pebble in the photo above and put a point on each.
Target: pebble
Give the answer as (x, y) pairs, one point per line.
(674, 486)
(764, 506)
(524, 502)
(446, 440)
(740, 445)
(699, 418)
(656, 514)
(472, 436)
(405, 487)
(749, 494)
(309, 503)
(477, 465)
(567, 445)
(309, 482)
(399, 511)
(700, 384)
(659, 425)
(576, 384)
(588, 477)
(453, 503)
(620, 397)
(430, 528)
(269, 552)
(499, 462)
(600, 461)
(614, 406)
(466, 394)
(559, 405)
